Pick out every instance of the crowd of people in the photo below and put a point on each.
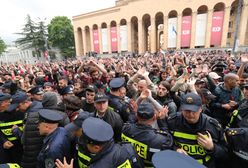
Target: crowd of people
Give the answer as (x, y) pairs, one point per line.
(119, 111)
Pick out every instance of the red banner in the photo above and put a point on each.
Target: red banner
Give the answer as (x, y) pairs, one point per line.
(217, 27)
(114, 39)
(186, 31)
(96, 41)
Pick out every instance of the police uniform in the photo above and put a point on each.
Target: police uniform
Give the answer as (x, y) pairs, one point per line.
(10, 165)
(56, 145)
(237, 142)
(185, 134)
(118, 103)
(145, 139)
(7, 120)
(98, 132)
(169, 159)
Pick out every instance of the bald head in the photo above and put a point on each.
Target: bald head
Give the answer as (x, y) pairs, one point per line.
(231, 80)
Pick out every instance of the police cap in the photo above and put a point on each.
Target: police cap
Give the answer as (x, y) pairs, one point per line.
(169, 158)
(191, 102)
(96, 131)
(116, 83)
(4, 96)
(67, 90)
(91, 88)
(17, 98)
(49, 116)
(100, 97)
(37, 90)
(145, 111)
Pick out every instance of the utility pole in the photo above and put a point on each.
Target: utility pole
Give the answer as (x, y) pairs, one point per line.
(235, 44)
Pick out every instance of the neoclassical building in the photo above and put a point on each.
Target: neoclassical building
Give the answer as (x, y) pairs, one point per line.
(148, 25)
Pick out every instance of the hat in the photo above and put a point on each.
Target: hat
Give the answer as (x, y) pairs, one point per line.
(206, 93)
(67, 90)
(48, 84)
(4, 96)
(7, 85)
(91, 88)
(191, 101)
(169, 158)
(36, 90)
(96, 131)
(199, 81)
(100, 97)
(77, 123)
(145, 111)
(17, 98)
(49, 100)
(49, 116)
(214, 75)
(116, 83)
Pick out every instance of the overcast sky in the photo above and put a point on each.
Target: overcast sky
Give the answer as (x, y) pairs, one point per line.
(14, 12)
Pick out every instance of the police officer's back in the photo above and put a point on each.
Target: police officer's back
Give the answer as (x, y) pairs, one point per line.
(143, 137)
(196, 134)
(101, 151)
(56, 143)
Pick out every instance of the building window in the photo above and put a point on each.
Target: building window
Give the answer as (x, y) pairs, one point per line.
(229, 35)
(230, 24)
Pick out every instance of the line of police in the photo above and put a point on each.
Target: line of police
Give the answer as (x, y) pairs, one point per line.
(95, 142)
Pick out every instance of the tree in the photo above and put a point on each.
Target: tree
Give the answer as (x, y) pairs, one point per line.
(33, 35)
(60, 34)
(2, 46)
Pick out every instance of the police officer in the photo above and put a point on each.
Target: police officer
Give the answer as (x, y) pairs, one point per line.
(169, 158)
(10, 144)
(196, 134)
(143, 137)
(36, 93)
(97, 148)
(10, 165)
(117, 102)
(237, 142)
(56, 143)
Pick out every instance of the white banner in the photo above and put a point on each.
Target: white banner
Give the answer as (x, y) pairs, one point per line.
(105, 40)
(123, 37)
(172, 33)
(201, 28)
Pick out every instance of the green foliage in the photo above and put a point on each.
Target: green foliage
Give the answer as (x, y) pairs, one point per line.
(33, 35)
(2, 46)
(60, 34)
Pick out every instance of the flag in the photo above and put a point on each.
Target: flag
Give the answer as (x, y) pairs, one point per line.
(174, 30)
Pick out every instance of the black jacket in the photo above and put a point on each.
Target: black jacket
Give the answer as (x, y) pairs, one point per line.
(115, 121)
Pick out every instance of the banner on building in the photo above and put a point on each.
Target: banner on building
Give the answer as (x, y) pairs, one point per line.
(217, 27)
(105, 40)
(201, 28)
(172, 33)
(96, 41)
(186, 31)
(114, 41)
(123, 38)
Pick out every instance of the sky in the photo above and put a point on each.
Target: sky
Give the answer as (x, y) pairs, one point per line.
(14, 12)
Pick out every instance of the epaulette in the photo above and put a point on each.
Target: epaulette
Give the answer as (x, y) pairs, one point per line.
(161, 132)
(235, 131)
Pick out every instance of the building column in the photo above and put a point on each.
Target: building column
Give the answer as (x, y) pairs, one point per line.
(141, 37)
(91, 40)
(153, 36)
(225, 27)
(129, 37)
(243, 24)
(109, 39)
(193, 29)
(100, 38)
(84, 42)
(118, 38)
(179, 31)
(77, 45)
(209, 28)
(165, 32)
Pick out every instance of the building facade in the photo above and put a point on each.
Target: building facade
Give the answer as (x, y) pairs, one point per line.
(150, 25)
